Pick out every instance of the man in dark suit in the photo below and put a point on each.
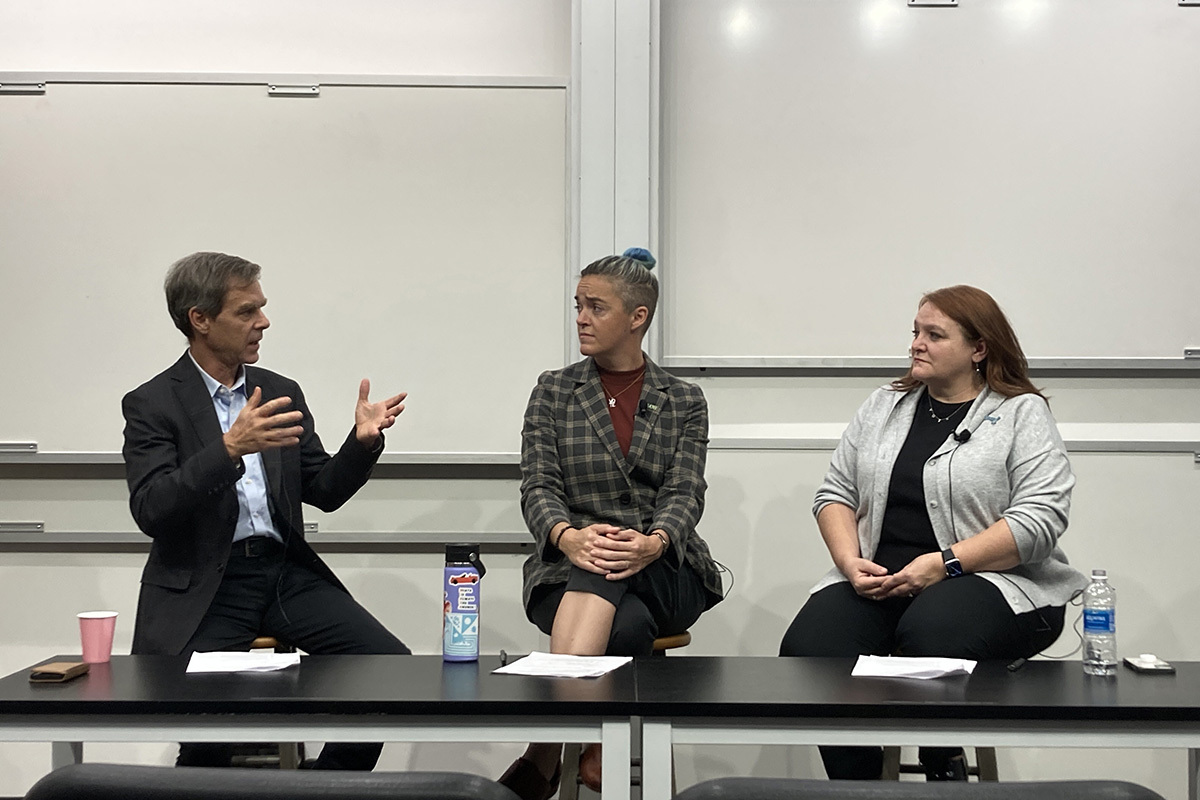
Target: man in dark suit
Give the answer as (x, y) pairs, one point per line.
(219, 456)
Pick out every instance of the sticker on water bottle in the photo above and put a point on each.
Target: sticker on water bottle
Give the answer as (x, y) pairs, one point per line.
(462, 631)
(1099, 620)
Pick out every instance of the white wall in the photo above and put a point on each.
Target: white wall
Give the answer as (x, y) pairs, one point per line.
(1134, 514)
(385, 37)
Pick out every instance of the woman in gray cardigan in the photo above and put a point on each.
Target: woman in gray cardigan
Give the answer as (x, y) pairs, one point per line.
(942, 509)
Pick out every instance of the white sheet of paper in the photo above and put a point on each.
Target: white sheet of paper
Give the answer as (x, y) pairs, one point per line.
(553, 665)
(906, 667)
(241, 662)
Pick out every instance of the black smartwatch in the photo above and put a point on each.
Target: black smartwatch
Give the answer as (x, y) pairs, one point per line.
(953, 565)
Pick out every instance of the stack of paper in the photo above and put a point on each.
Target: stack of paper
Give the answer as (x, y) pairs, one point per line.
(241, 662)
(905, 667)
(552, 665)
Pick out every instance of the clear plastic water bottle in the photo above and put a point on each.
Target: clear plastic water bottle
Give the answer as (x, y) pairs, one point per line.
(1099, 626)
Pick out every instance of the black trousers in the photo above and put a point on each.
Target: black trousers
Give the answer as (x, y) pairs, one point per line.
(657, 600)
(965, 617)
(263, 593)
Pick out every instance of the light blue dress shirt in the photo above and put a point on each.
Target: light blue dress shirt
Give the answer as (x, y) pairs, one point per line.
(254, 511)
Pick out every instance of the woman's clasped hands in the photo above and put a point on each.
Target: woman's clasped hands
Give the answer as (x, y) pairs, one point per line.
(872, 581)
(616, 553)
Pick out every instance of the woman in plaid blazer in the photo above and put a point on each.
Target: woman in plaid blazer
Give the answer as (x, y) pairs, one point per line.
(612, 463)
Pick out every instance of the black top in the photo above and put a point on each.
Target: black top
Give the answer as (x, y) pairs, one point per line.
(907, 532)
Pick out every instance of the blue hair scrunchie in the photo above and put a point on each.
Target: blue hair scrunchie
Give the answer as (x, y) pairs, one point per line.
(641, 255)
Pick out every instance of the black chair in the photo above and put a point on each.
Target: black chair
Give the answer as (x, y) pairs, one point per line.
(984, 767)
(126, 782)
(796, 789)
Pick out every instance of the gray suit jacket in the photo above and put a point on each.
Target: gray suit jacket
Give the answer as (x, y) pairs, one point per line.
(573, 470)
(1014, 466)
(182, 495)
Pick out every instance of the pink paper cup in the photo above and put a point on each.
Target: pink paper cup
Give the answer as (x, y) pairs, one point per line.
(96, 635)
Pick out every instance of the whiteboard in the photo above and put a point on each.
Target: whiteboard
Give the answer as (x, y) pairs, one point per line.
(825, 162)
(412, 235)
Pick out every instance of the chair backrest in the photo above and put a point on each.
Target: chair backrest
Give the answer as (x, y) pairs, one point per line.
(126, 782)
(796, 789)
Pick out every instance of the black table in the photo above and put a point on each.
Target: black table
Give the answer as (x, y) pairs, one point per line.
(328, 698)
(732, 700)
(810, 701)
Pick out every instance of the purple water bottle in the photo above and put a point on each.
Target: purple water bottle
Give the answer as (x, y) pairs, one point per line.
(460, 603)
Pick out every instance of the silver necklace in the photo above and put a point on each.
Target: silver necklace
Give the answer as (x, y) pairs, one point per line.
(950, 416)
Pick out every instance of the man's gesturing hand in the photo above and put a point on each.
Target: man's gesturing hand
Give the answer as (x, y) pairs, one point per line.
(263, 426)
(371, 419)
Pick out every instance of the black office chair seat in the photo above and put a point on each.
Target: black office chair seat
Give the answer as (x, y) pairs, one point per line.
(126, 782)
(796, 789)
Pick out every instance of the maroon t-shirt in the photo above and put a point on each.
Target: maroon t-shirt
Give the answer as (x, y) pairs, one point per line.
(622, 391)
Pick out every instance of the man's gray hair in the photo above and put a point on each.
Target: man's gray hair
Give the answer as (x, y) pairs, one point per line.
(635, 284)
(200, 281)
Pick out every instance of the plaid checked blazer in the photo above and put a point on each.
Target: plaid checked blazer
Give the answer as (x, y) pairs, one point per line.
(572, 469)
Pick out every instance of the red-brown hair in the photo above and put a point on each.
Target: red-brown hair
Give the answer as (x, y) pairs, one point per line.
(1005, 367)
